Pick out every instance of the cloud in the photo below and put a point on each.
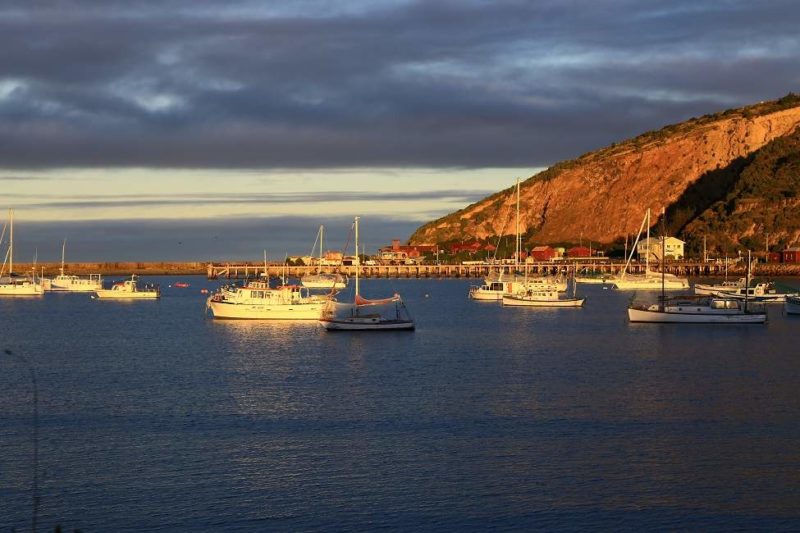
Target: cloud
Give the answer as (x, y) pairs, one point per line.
(199, 84)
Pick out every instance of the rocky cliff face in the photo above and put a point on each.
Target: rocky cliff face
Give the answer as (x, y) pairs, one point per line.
(603, 195)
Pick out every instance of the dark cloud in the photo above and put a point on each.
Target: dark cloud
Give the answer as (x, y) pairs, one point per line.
(197, 239)
(243, 84)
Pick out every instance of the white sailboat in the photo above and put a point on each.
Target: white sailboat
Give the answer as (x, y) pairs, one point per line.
(71, 283)
(129, 290)
(323, 280)
(647, 281)
(12, 284)
(366, 315)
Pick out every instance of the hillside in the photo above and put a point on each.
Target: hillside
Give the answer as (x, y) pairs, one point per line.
(601, 196)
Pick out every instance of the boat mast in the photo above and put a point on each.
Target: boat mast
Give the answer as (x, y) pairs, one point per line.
(11, 242)
(747, 281)
(321, 236)
(647, 255)
(518, 245)
(63, 246)
(355, 222)
(663, 255)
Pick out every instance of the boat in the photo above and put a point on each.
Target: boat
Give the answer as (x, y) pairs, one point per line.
(792, 304)
(71, 283)
(760, 292)
(12, 284)
(366, 315)
(257, 300)
(698, 310)
(647, 281)
(541, 298)
(129, 290)
(693, 309)
(180, 284)
(323, 280)
(709, 289)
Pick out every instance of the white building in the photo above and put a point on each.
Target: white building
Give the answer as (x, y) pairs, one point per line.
(673, 248)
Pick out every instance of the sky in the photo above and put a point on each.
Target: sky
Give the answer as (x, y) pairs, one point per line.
(198, 130)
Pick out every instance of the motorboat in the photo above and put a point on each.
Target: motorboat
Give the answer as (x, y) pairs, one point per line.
(541, 298)
(257, 300)
(760, 292)
(129, 290)
(71, 283)
(12, 284)
(709, 289)
(366, 315)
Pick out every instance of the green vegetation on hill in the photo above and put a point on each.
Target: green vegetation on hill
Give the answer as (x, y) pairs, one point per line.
(743, 204)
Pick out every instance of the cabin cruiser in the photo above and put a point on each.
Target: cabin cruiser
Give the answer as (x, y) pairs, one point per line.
(129, 290)
(256, 300)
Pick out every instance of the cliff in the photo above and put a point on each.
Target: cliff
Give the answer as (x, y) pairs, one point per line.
(602, 196)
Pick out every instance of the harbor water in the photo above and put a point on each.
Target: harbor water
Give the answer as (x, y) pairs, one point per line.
(154, 417)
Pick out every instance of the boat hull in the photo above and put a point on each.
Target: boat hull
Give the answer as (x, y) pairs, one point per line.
(21, 289)
(515, 301)
(651, 284)
(366, 324)
(792, 305)
(272, 311)
(108, 294)
(87, 287)
(661, 317)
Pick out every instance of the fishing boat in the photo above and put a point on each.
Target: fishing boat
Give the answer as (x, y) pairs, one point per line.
(257, 300)
(366, 315)
(760, 292)
(323, 280)
(709, 289)
(129, 290)
(694, 309)
(792, 304)
(541, 298)
(648, 280)
(71, 283)
(12, 284)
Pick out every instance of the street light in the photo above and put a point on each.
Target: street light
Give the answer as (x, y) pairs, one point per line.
(27, 363)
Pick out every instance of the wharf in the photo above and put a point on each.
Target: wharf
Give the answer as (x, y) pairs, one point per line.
(245, 269)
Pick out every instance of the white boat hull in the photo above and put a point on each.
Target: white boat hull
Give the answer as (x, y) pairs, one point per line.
(55, 286)
(519, 301)
(663, 317)
(651, 284)
(323, 284)
(792, 305)
(21, 289)
(267, 311)
(108, 294)
(486, 296)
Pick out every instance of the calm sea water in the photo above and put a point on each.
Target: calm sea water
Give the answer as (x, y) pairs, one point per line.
(153, 417)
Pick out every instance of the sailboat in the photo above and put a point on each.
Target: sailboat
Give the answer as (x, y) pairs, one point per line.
(323, 280)
(12, 284)
(648, 281)
(366, 315)
(71, 283)
(697, 309)
(496, 286)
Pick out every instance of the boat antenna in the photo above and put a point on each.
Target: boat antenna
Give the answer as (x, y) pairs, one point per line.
(355, 225)
(63, 247)
(747, 281)
(518, 244)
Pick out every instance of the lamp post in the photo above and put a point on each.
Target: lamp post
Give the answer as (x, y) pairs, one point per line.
(35, 510)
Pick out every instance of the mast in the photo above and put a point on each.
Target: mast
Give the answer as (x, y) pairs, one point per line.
(518, 245)
(357, 261)
(265, 266)
(11, 242)
(321, 237)
(663, 255)
(747, 281)
(647, 255)
(63, 246)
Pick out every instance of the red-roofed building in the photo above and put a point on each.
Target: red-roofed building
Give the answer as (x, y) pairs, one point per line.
(791, 255)
(400, 252)
(543, 253)
(579, 251)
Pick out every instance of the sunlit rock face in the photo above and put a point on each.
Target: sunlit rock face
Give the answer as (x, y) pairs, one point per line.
(602, 196)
